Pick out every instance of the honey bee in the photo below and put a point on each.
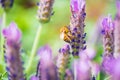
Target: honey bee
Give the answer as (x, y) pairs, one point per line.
(65, 34)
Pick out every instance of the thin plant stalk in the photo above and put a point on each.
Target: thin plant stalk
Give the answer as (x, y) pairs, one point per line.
(62, 76)
(2, 38)
(44, 8)
(34, 48)
(98, 76)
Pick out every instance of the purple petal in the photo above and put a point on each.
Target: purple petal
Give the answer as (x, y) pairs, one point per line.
(107, 64)
(74, 5)
(12, 33)
(77, 5)
(83, 69)
(116, 69)
(45, 53)
(118, 4)
(91, 53)
(84, 56)
(34, 78)
(65, 49)
(108, 23)
(69, 75)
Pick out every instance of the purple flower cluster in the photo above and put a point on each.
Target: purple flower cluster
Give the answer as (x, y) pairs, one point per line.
(46, 69)
(63, 59)
(111, 66)
(111, 58)
(108, 35)
(45, 10)
(117, 30)
(108, 41)
(107, 64)
(118, 7)
(69, 75)
(77, 26)
(12, 52)
(83, 67)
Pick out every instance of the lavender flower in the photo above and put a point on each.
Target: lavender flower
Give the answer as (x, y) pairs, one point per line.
(45, 54)
(77, 26)
(12, 52)
(83, 67)
(6, 3)
(118, 7)
(116, 70)
(69, 75)
(108, 36)
(108, 40)
(77, 5)
(45, 10)
(63, 60)
(117, 30)
(111, 66)
(12, 33)
(34, 78)
(46, 70)
(108, 64)
(90, 52)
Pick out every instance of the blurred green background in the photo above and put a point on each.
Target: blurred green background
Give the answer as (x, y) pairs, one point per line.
(24, 13)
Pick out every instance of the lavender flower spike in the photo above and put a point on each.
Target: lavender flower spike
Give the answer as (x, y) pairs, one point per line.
(108, 41)
(77, 26)
(45, 54)
(116, 69)
(117, 30)
(12, 52)
(108, 36)
(63, 60)
(34, 78)
(108, 64)
(69, 75)
(46, 69)
(118, 6)
(6, 4)
(77, 5)
(45, 10)
(83, 67)
(12, 33)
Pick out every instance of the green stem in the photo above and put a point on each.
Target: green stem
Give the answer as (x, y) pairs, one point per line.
(62, 76)
(2, 38)
(4, 74)
(98, 76)
(34, 49)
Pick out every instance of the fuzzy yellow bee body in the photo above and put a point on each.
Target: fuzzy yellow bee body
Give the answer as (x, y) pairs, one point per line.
(65, 34)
